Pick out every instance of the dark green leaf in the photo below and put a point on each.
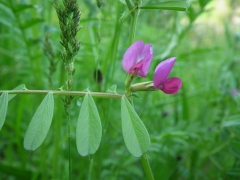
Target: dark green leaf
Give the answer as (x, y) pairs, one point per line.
(3, 108)
(22, 7)
(168, 5)
(235, 148)
(20, 87)
(40, 124)
(234, 172)
(135, 134)
(203, 3)
(89, 128)
(31, 23)
(192, 14)
(5, 3)
(18, 172)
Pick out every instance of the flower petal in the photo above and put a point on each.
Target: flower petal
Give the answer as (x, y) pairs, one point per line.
(130, 57)
(162, 71)
(147, 55)
(137, 58)
(171, 85)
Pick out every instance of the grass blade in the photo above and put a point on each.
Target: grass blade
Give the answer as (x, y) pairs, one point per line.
(168, 5)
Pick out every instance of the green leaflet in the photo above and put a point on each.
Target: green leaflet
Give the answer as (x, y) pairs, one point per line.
(3, 108)
(39, 126)
(112, 89)
(168, 5)
(135, 134)
(123, 1)
(89, 128)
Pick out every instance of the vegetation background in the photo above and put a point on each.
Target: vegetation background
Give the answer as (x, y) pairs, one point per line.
(195, 134)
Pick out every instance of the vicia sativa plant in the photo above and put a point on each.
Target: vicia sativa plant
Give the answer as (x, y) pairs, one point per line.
(136, 62)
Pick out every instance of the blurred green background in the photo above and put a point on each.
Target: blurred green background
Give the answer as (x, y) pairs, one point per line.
(194, 134)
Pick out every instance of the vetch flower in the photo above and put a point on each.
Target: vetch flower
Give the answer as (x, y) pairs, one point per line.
(161, 80)
(137, 58)
(234, 92)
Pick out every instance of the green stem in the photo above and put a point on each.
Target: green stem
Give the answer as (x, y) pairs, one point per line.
(69, 148)
(128, 82)
(146, 167)
(90, 169)
(65, 93)
(57, 149)
(129, 4)
(134, 17)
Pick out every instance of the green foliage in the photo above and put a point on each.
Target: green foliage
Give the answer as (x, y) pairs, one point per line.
(194, 134)
(3, 108)
(40, 124)
(19, 173)
(89, 128)
(32, 22)
(168, 5)
(4, 99)
(135, 134)
(112, 89)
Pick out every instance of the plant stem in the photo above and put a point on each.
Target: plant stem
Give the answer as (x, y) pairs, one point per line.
(134, 17)
(129, 4)
(128, 82)
(69, 148)
(133, 24)
(146, 167)
(90, 169)
(65, 93)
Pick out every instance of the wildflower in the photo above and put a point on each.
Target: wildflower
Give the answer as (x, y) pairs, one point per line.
(234, 92)
(161, 80)
(137, 58)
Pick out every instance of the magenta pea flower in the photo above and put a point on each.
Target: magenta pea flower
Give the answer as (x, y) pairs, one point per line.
(137, 58)
(161, 80)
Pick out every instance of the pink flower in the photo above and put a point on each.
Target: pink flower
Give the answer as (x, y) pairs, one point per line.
(137, 58)
(234, 92)
(161, 80)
